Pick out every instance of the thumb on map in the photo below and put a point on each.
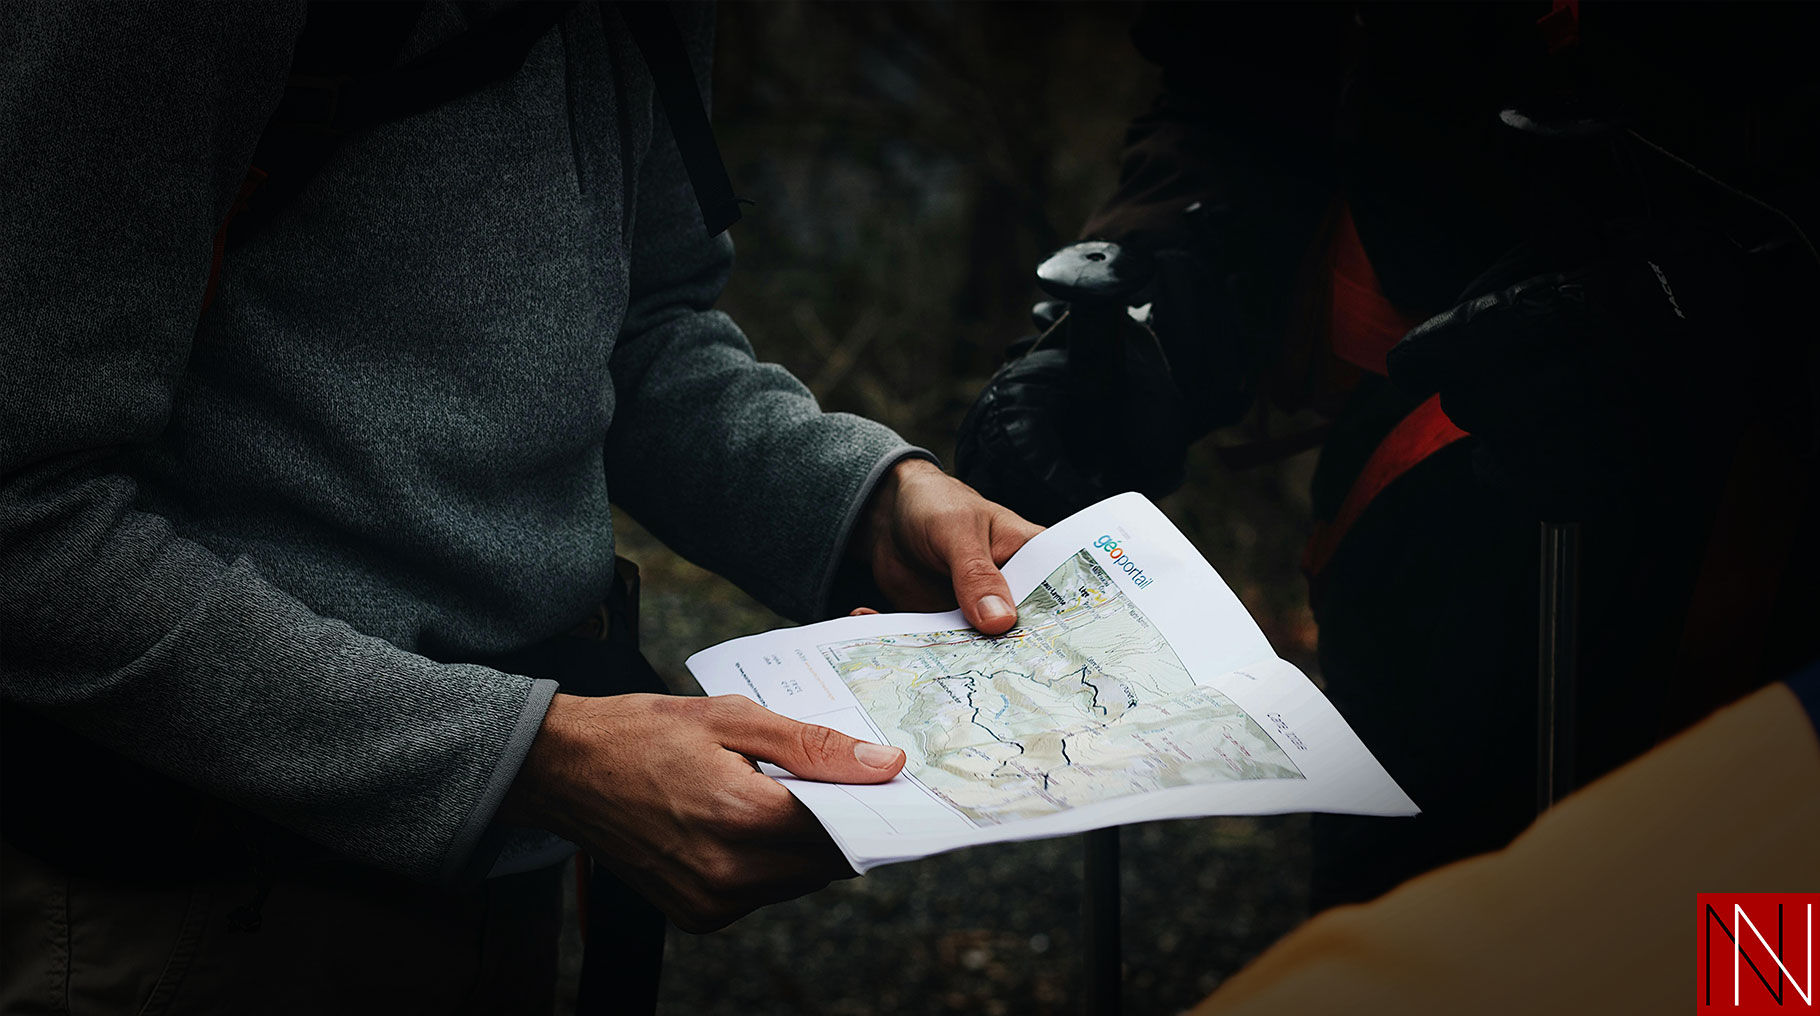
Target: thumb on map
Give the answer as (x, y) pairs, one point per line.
(807, 750)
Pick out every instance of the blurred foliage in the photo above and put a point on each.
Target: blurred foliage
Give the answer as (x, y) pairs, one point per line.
(910, 164)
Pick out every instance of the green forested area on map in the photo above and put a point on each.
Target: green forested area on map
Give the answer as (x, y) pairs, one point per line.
(1084, 701)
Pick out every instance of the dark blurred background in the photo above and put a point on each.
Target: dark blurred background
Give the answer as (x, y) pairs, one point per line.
(911, 163)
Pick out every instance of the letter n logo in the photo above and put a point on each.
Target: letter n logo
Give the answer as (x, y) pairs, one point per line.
(1756, 953)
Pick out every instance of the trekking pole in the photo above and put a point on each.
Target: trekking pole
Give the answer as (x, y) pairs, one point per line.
(1562, 146)
(1097, 279)
(1100, 913)
(1557, 652)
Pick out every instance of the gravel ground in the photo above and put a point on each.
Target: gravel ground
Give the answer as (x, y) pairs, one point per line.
(997, 929)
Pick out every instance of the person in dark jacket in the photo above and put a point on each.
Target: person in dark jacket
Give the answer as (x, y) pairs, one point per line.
(1532, 262)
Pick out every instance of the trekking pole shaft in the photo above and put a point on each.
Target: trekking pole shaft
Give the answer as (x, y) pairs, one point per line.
(1557, 656)
(1100, 913)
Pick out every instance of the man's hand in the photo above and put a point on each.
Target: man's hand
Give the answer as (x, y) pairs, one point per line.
(932, 542)
(659, 788)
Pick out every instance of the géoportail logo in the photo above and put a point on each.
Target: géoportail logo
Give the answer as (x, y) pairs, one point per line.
(1756, 953)
(1122, 561)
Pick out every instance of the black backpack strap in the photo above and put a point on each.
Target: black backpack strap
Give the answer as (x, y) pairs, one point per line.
(654, 31)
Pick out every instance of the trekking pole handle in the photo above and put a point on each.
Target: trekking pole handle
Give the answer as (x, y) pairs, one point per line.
(1098, 280)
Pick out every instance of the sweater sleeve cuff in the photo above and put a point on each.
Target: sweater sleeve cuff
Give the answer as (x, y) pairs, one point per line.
(479, 840)
(845, 583)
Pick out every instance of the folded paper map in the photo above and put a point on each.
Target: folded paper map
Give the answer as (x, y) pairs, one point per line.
(1135, 687)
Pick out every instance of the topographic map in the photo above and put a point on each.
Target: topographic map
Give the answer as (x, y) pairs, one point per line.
(1084, 702)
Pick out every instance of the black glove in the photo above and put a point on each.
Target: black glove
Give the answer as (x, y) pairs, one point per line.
(1212, 336)
(1046, 442)
(1582, 385)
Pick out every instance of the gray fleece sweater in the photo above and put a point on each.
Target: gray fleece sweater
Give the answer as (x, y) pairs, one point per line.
(232, 543)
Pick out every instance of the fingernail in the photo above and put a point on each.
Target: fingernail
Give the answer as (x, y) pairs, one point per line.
(876, 755)
(995, 606)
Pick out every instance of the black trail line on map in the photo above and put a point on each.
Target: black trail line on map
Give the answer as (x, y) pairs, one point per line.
(1095, 704)
(1067, 762)
(971, 688)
